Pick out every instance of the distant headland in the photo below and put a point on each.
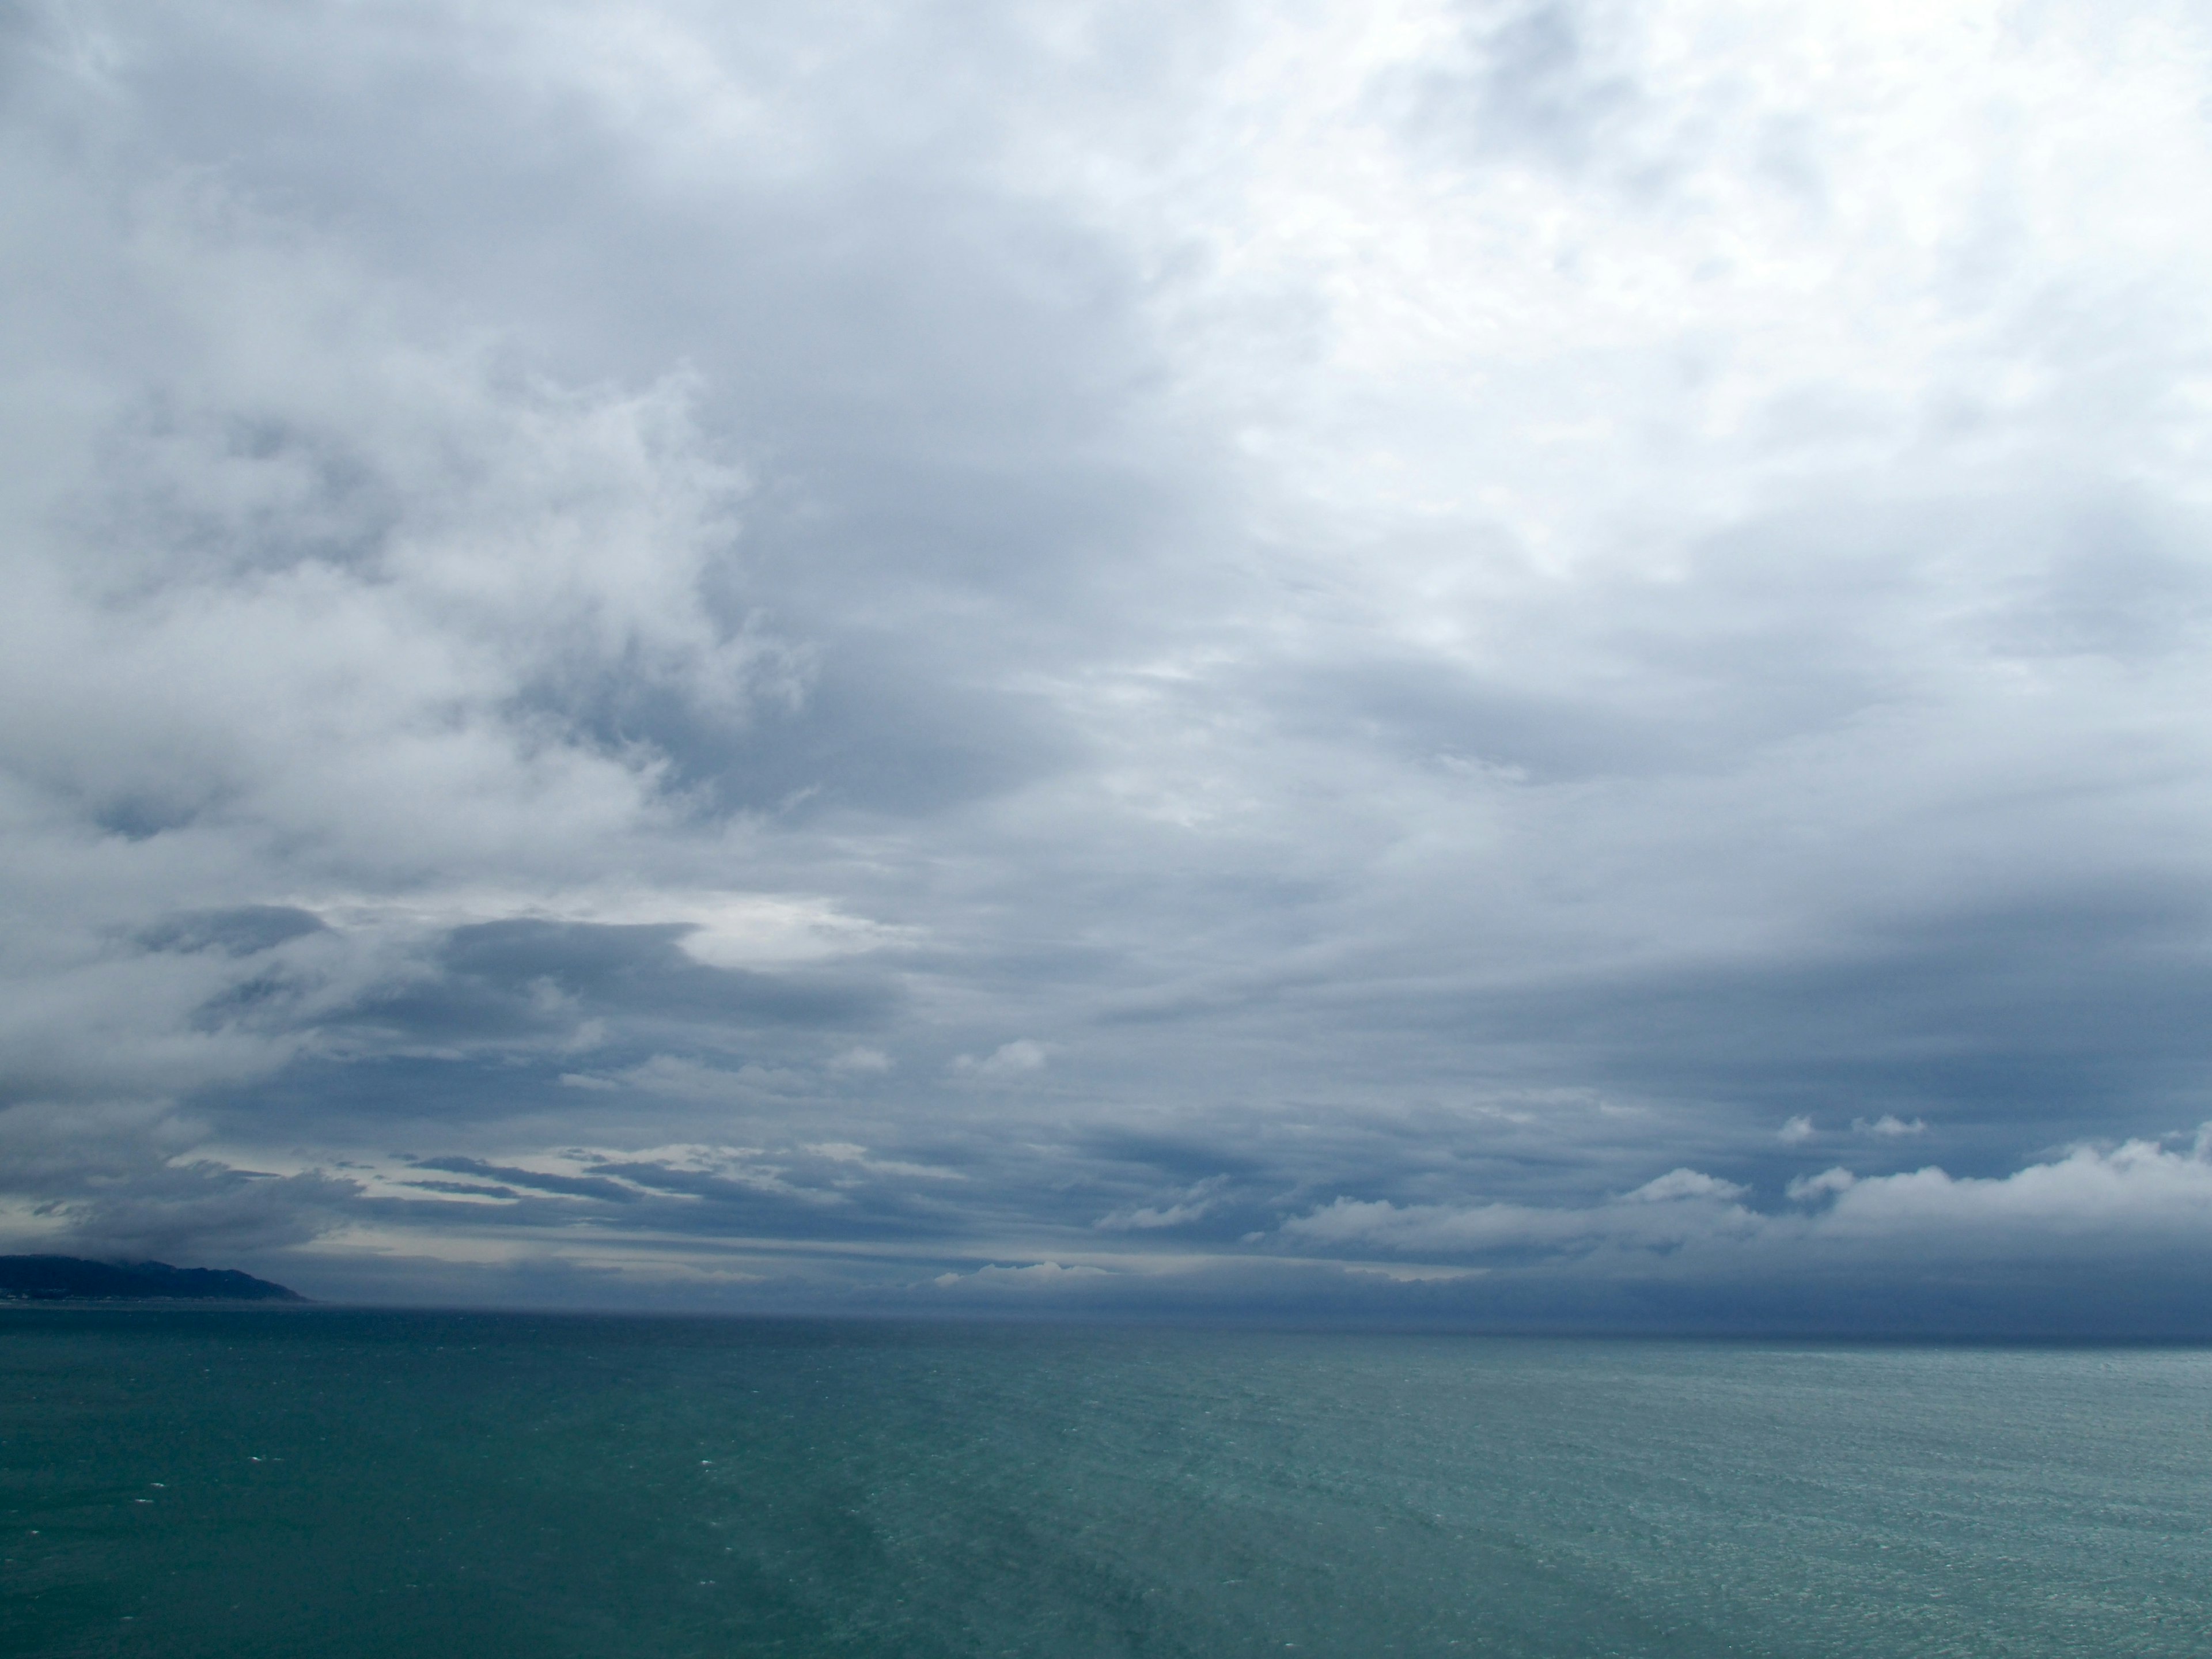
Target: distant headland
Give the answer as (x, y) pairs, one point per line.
(70, 1279)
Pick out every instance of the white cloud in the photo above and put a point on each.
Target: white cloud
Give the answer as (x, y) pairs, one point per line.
(1677, 1184)
(679, 1079)
(1034, 1277)
(1009, 1059)
(845, 1151)
(1678, 1206)
(1402, 1274)
(1193, 1203)
(2139, 1190)
(2139, 1194)
(1808, 1189)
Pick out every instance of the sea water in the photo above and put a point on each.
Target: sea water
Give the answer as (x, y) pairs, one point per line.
(334, 1483)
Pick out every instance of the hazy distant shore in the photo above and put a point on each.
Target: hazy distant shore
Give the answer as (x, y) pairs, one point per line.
(46, 1279)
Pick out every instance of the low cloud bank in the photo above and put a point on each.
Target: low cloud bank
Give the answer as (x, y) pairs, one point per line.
(2099, 1240)
(2111, 1241)
(2140, 1193)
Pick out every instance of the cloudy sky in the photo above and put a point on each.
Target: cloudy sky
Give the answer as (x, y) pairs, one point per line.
(1484, 662)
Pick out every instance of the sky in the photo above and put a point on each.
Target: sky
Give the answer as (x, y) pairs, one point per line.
(1485, 664)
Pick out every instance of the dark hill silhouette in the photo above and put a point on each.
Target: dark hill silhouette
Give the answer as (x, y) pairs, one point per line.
(59, 1278)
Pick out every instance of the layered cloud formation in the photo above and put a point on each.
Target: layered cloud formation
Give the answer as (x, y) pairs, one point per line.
(1539, 663)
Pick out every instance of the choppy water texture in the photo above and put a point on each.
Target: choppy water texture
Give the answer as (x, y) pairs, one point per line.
(335, 1483)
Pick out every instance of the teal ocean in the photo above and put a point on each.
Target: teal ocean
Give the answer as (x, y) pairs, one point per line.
(353, 1483)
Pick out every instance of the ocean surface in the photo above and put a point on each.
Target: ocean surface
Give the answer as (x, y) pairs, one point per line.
(328, 1482)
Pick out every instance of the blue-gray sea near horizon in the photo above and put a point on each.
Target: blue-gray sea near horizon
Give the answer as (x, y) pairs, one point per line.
(354, 1483)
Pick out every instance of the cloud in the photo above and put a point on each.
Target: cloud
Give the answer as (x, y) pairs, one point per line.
(246, 930)
(1194, 1203)
(1009, 1059)
(1806, 1189)
(1036, 1278)
(845, 1151)
(2136, 1190)
(2136, 1197)
(1663, 1214)
(121, 1181)
(1679, 1184)
(1451, 611)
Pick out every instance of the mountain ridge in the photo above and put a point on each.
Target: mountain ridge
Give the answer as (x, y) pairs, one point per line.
(69, 1278)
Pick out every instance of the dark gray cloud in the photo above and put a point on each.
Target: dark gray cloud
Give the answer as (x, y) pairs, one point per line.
(244, 930)
(1434, 663)
(496, 977)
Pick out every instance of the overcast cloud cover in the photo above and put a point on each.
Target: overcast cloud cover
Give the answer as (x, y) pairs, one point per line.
(1492, 663)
